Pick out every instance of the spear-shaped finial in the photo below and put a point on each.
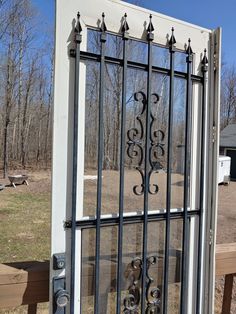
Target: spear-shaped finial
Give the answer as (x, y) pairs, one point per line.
(78, 27)
(103, 27)
(150, 29)
(189, 50)
(172, 40)
(205, 62)
(125, 26)
(78, 30)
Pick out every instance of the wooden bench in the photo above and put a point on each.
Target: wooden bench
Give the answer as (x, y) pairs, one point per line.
(27, 283)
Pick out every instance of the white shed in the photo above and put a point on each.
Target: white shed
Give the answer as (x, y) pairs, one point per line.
(224, 169)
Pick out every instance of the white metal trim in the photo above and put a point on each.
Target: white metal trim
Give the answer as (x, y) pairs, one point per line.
(154, 13)
(214, 209)
(65, 14)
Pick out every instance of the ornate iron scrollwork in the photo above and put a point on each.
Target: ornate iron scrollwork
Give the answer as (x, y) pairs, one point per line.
(131, 302)
(153, 294)
(136, 144)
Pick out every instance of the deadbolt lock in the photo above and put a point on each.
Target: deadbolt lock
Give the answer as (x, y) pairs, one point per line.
(60, 295)
(62, 298)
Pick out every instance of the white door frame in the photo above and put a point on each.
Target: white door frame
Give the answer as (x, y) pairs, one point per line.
(90, 11)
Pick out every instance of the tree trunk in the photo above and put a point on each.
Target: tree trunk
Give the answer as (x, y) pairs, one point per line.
(7, 109)
(48, 115)
(5, 150)
(19, 98)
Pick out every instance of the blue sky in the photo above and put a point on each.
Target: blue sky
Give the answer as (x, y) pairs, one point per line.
(206, 13)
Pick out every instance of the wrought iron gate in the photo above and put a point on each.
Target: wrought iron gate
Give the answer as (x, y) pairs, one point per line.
(148, 150)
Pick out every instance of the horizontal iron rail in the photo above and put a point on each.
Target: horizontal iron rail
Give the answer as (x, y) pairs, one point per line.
(136, 65)
(129, 219)
(113, 257)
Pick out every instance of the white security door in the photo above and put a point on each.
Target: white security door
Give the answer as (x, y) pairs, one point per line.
(135, 160)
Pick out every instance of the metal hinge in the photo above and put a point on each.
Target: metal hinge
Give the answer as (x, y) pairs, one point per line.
(214, 134)
(210, 237)
(67, 224)
(215, 63)
(72, 53)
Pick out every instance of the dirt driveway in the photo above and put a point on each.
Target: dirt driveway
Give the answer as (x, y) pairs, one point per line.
(226, 226)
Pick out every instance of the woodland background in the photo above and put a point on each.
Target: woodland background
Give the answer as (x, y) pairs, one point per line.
(26, 86)
(26, 92)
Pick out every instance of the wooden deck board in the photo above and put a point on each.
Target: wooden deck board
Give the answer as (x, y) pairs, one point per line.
(28, 282)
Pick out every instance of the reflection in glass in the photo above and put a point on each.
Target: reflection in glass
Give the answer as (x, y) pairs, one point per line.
(161, 57)
(132, 265)
(91, 140)
(180, 61)
(176, 231)
(178, 144)
(108, 269)
(135, 132)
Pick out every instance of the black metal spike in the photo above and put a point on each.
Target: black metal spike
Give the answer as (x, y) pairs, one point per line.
(189, 50)
(103, 27)
(78, 27)
(172, 40)
(150, 27)
(125, 26)
(205, 60)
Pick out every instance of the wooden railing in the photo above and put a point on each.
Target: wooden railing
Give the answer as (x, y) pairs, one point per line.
(226, 266)
(27, 283)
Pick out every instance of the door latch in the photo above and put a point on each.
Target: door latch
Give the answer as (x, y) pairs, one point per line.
(61, 296)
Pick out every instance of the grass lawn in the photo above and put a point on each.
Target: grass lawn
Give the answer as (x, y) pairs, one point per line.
(25, 225)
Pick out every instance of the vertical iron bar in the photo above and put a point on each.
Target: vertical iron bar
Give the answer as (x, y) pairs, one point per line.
(150, 38)
(172, 42)
(202, 179)
(125, 29)
(78, 40)
(100, 162)
(185, 244)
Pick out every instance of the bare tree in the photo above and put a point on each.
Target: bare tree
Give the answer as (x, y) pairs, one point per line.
(49, 106)
(26, 92)
(228, 96)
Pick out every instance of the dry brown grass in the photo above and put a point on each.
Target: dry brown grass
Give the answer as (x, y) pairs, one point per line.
(25, 221)
(25, 225)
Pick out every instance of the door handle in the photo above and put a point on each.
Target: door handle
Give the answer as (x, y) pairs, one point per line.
(61, 297)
